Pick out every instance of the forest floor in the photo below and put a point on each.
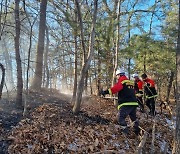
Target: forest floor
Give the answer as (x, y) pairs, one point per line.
(51, 127)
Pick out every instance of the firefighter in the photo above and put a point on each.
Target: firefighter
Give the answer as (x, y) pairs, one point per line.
(150, 93)
(127, 102)
(138, 86)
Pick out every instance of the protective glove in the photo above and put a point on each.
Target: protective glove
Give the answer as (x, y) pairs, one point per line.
(139, 95)
(103, 93)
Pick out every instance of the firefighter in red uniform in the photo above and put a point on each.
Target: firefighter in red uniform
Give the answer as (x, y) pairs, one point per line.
(127, 102)
(138, 86)
(150, 92)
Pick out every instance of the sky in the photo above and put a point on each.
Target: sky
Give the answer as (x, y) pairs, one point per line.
(146, 20)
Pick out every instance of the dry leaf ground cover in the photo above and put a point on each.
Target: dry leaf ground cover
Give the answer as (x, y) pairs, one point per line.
(51, 127)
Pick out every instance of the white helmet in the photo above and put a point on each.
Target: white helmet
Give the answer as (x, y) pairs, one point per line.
(120, 71)
(135, 75)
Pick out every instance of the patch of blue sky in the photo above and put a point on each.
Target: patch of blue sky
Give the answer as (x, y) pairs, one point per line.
(144, 23)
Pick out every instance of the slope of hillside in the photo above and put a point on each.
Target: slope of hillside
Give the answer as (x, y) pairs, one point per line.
(51, 127)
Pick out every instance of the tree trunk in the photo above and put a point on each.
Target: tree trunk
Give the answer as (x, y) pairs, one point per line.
(37, 81)
(71, 74)
(75, 71)
(129, 37)
(82, 41)
(86, 66)
(90, 86)
(3, 16)
(81, 30)
(129, 68)
(46, 69)
(30, 44)
(29, 56)
(144, 61)
(18, 58)
(169, 87)
(86, 83)
(117, 44)
(176, 148)
(99, 76)
(2, 79)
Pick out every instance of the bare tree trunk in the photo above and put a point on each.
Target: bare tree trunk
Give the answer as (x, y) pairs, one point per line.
(169, 86)
(82, 40)
(86, 83)
(30, 44)
(75, 71)
(46, 69)
(37, 81)
(176, 148)
(2, 79)
(129, 68)
(90, 86)
(98, 72)
(71, 74)
(117, 43)
(144, 61)
(117, 48)
(129, 37)
(86, 66)
(29, 56)
(18, 58)
(3, 18)
(95, 77)
(81, 29)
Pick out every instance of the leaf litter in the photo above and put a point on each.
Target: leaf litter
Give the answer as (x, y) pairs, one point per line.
(51, 127)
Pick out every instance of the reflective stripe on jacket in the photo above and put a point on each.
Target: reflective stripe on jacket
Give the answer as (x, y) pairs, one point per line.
(148, 97)
(128, 103)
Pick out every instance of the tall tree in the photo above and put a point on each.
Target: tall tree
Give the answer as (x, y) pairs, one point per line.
(75, 61)
(117, 42)
(81, 29)
(176, 147)
(46, 68)
(37, 81)
(86, 65)
(3, 17)
(18, 58)
(31, 24)
(82, 40)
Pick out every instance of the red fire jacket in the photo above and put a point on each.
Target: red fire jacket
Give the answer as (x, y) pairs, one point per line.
(138, 86)
(126, 92)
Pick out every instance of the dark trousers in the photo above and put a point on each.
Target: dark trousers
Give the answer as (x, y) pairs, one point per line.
(124, 111)
(151, 105)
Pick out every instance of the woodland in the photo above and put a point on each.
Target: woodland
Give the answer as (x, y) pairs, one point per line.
(56, 57)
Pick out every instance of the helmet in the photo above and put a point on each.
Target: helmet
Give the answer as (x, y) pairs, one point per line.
(144, 76)
(135, 75)
(120, 71)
